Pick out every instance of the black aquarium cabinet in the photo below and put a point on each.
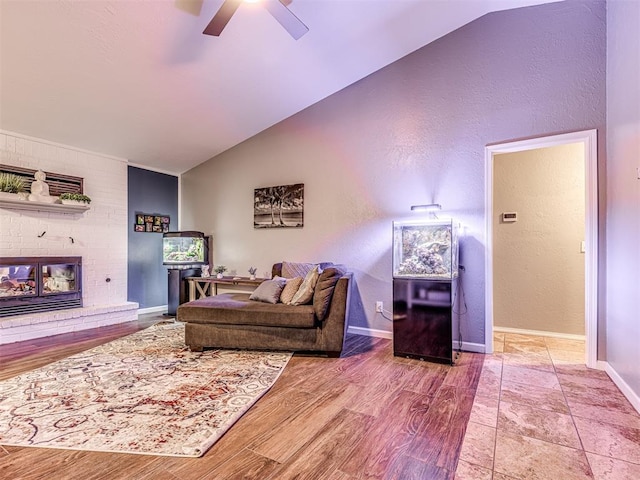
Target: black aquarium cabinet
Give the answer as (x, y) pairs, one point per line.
(179, 287)
(425, 272)
(422, 319)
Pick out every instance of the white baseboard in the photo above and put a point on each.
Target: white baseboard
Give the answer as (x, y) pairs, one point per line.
(470, 347)
(158, 309)
(370, 332)
(540, 333)
(601, 365)
(626, 390)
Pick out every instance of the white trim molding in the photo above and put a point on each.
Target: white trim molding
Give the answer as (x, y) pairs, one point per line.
(61, 145)
(370, 332)
(626, 390)
(158, 309)
(589, 139)
(540, 333)
(469, 347)
(153, 169)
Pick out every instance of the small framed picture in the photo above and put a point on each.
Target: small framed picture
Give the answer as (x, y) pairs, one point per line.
(152, 223)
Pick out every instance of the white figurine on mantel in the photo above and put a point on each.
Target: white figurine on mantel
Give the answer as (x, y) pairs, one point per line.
(40, 189)
(205, 271)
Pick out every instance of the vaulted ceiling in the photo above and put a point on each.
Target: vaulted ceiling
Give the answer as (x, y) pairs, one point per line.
(138, 79)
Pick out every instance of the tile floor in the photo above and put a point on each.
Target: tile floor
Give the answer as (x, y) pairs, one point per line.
(540, 413)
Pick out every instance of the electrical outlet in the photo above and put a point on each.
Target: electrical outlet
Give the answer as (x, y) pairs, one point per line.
(379, 307)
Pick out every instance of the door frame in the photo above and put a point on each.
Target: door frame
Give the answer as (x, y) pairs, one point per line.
(588, 138)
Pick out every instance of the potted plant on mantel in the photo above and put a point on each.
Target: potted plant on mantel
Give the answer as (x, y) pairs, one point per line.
(74, 199)
(11, 186)
(220, 269)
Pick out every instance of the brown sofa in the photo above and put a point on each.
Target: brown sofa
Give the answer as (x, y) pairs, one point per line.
(232, 320)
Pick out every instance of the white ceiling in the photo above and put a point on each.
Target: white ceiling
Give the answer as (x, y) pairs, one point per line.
(138, 80)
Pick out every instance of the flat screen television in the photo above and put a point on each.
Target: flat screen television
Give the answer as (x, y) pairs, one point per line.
(184, 248)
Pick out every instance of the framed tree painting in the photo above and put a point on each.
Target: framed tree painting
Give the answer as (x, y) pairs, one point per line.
(279, 207)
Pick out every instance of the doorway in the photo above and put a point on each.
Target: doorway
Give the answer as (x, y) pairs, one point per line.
(587, 140)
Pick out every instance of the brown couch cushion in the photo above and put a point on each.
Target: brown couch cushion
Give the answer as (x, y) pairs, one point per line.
(324, 291)
(237, 309)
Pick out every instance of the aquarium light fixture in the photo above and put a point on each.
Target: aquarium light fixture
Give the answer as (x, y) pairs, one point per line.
(431, 207)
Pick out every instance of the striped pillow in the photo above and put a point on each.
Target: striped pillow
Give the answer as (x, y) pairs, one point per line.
(293, 269)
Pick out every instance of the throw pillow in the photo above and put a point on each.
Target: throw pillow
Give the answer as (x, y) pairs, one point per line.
(290, 289)
(324, 291)
(292, 269)
(268, 291)
(304, 294)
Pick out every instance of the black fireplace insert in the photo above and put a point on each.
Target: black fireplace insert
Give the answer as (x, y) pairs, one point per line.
(39, 284)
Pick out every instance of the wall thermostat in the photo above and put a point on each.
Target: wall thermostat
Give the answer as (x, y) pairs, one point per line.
(510, 217)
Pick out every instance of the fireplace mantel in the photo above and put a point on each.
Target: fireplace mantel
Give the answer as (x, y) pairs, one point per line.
(42, 207)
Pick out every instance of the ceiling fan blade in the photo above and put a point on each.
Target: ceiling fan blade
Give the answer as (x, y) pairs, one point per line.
(286, 18)
(222, 17)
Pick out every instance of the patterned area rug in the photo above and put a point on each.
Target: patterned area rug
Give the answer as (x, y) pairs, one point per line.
(145, 393)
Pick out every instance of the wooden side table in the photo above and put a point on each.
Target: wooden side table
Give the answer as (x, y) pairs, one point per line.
(200, 287)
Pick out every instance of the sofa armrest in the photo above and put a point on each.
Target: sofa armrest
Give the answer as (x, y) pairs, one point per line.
(335, 324)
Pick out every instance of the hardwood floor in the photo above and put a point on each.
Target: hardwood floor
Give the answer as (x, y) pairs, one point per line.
(365, 415)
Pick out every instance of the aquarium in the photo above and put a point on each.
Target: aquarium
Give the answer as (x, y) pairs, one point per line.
(184, 248)
(425, 249)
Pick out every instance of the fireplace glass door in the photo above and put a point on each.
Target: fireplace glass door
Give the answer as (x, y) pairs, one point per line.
(58, 278)
(18, 281)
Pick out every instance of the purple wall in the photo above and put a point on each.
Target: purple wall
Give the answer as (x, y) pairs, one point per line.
(507, 76)
(623, 196)
(412, 133)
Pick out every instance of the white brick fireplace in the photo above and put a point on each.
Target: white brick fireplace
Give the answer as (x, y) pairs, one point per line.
(99, 237)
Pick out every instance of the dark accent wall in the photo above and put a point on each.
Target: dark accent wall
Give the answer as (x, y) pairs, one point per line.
(153, 193)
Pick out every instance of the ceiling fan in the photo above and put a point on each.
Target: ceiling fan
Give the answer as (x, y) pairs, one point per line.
(277, 8)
